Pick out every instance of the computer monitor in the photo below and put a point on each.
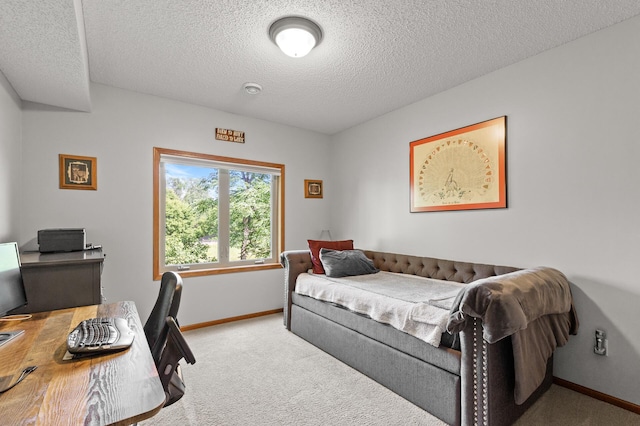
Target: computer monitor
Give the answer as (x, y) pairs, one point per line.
(12, 294)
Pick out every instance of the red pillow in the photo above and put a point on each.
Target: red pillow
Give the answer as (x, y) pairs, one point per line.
(315, 246)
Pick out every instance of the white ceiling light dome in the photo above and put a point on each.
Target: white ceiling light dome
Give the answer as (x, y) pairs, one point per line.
(295, 35)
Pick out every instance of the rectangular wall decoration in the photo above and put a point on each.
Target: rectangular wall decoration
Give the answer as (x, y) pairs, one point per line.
(229, 135)
(462, 169)
(78, 172)
(312, 188)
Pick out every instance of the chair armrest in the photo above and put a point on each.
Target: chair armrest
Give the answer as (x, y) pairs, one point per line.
(294, 262)
(488, 379)
(176, 348)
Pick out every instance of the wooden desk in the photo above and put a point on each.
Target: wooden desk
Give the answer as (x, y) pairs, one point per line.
(119, 388)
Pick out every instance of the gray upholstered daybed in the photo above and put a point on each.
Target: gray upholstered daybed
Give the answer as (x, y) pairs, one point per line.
(472, 377)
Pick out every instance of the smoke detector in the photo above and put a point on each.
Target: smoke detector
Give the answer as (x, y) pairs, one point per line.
(252, 88)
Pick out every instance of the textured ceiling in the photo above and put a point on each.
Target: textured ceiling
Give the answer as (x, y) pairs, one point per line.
(376, 56)
(43, 52)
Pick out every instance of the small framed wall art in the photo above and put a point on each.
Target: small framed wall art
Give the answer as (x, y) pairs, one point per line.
(78, 172)
(462, 169)
(312, 188)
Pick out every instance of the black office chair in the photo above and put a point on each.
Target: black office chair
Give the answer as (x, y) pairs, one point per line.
(166, 305)
(166, 342)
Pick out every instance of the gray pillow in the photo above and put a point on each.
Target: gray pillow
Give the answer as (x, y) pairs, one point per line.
(345, 263)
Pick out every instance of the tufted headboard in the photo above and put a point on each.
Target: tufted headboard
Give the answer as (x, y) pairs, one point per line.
(430, 267)
(299, 261)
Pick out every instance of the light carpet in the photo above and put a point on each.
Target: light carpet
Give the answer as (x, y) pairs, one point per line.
(255, 372)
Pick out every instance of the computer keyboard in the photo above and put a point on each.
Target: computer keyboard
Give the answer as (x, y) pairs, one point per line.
(97, 335)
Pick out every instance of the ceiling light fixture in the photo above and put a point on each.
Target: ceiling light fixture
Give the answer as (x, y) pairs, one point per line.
(295, 36)
(252, 88)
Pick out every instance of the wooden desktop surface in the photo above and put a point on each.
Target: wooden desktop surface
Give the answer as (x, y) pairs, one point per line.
(120, 388)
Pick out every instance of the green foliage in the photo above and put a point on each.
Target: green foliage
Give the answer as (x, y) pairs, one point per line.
(251, 214)
(192, 217)
(182, 233)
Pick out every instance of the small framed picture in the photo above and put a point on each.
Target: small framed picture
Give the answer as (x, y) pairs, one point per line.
(312, 188)
(78, 172)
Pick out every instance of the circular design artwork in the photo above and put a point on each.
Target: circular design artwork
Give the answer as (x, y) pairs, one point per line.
(455, 171)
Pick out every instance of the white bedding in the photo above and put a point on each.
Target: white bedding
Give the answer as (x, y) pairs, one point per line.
(415, 305)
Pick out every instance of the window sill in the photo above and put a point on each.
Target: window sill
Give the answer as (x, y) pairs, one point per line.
(228, 270)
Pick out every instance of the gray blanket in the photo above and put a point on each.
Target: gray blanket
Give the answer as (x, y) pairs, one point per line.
(534, 306)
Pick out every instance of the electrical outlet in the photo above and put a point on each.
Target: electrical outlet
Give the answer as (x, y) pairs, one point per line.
(601, 346)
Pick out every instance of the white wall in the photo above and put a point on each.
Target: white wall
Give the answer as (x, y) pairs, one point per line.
(121, 131)
(10, 160)
(573, 188)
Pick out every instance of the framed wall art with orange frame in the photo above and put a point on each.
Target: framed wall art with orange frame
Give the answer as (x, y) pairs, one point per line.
(462, 169)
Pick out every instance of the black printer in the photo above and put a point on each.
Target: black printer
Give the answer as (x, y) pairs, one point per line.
(66, 239)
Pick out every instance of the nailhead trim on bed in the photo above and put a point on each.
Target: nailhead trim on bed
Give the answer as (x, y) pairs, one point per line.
(475, 373)
(480, 385)
(485, 396)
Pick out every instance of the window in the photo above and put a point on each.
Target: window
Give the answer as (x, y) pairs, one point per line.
(215, 214)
